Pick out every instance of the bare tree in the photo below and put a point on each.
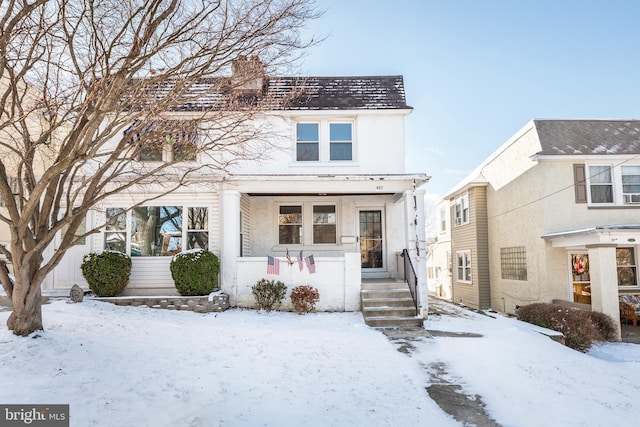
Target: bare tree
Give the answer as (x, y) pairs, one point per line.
(90, 87)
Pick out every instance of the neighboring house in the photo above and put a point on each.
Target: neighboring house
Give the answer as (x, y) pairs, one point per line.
(552, 215)
(439, 267)
(334, 187)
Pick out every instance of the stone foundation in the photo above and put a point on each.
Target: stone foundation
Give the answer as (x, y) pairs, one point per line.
(198, 304)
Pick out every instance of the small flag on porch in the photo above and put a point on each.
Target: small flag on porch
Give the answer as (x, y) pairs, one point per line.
(311, 265)
(289, 261)
(300, 261)
(273, 265)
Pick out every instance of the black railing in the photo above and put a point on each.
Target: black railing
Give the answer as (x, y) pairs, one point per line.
(410, 277)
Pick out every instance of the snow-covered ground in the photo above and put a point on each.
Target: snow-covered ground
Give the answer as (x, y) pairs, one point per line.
(123, 366)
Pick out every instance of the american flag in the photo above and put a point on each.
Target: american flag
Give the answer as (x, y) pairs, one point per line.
(300, 261)
(311, 265)
(273, 265)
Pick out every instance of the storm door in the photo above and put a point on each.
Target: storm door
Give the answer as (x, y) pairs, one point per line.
(371, 240)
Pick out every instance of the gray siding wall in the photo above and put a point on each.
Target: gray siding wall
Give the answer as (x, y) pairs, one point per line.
(472, 237)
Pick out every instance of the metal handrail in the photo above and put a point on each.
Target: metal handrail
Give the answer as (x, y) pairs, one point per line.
(410, 277)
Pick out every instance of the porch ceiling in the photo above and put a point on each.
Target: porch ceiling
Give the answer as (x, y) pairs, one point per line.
(598, 235)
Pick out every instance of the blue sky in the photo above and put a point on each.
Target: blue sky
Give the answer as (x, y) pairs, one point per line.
(476, 71)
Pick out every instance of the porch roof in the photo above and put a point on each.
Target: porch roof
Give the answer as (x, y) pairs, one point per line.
(619, 234)
(325, 184)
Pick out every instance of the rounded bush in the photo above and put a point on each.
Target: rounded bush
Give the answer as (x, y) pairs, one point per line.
(195, 272)
(107, 273)
(269, 294)
(304, 298)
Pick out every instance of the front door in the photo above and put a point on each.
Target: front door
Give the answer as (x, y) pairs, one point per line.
(580, 278)
(371, 240)
(68, 272)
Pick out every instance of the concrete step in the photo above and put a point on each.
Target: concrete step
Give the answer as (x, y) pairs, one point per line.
(387, 302)
(386, 284)
(393, 321)
(369, 312)
(385, 293)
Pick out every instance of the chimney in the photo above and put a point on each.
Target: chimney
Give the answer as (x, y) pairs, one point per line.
(247, 75)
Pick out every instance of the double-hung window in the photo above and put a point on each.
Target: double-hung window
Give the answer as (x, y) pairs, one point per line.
(307, 142)
(164, 140)
(600, 184)
(464, 266)
(340, 140)
(462, 209)
(631, 184)
(290, 225)
(608, 185)
(324, 141)
(324, 224)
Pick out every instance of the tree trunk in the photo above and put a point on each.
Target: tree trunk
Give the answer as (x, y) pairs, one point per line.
(27, 309)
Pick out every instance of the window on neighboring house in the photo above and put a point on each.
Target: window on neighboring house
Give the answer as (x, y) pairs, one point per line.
(290, 225)
(464, 266)
(443, 219)
(164, 140)
(600, 184)
(513, 263)
(324, 224)
(627, 267)
(307, 142)
(340, 141)
(631, 184)
(198, 228)
(462, 209)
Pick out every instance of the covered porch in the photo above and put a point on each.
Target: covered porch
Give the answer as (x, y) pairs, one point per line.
(602, 265)
(329, 232)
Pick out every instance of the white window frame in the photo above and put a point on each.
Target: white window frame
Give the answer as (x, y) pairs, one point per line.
(324, 140)
(184, 231)
(463, 269)
(443, 220)
(461, 209)
(307, 226)
(619, 196)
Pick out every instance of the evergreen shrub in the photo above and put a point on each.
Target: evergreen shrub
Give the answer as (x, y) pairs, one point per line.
(195, 272)
(107, 273)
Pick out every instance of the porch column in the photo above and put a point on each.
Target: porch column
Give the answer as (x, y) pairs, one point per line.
(416, 244)
(230, 243)
(604, 282)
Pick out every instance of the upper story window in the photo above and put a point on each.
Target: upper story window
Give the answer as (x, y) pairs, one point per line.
(462, 209)
(608, 184)
(324, 141)
(443, 220)
(631, 184)
(340, 137)
(164, 140)
(307, 142)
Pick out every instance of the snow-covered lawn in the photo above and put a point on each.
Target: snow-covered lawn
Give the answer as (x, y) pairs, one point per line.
(124, 366)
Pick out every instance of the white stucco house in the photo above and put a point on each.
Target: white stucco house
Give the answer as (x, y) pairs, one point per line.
(551, 215)
(332, 185)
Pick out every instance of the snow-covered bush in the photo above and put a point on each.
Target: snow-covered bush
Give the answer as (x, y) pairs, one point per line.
(107, 273)
(268, 294)
(304, 298)
(195, 272)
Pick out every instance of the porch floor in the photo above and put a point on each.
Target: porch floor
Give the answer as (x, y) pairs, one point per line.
(630, 333)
